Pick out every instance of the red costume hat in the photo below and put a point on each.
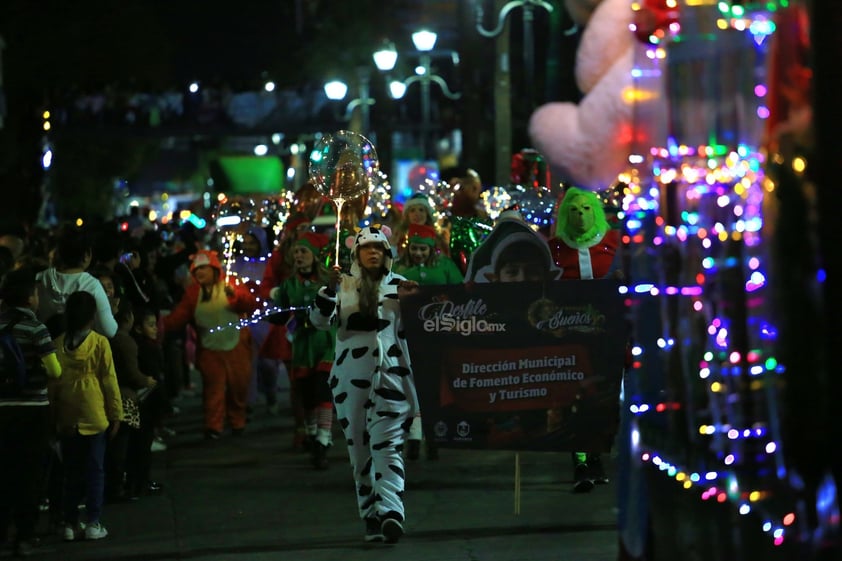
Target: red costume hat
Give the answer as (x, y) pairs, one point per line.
(313, 241)
(422, 234)
(293, 222)
(205, 257)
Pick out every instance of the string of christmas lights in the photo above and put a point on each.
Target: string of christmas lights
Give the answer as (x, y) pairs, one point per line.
(693, 214)
(258, 315)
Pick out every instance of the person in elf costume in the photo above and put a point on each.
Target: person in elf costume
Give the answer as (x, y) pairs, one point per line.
(416, 210)
(278, 268)
(584, 246)
(312, 349)
(223, 354)
(420, 262)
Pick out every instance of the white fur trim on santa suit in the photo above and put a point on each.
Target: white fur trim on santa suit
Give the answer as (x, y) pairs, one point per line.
(592, 259)
(585, 270)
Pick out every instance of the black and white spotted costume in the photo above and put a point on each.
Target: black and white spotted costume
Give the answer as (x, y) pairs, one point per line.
(372, 383)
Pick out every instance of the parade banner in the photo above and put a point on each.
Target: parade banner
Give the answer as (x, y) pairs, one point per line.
(518, 366)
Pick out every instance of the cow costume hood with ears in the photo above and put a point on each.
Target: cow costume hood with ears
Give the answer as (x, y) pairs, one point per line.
(370, 234)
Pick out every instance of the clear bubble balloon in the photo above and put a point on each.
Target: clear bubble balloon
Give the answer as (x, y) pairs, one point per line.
(344, 165)
(612, 197)
(307, 201)
(440, 196)
(275, 211)
(495, 200)
(537, 205)
(379, 200)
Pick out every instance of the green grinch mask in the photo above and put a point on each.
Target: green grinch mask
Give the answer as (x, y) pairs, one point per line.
(581, 217)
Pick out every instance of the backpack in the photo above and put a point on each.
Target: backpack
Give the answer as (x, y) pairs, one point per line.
(13, 371)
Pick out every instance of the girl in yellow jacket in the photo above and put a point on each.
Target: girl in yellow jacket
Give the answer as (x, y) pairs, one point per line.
(87, 407)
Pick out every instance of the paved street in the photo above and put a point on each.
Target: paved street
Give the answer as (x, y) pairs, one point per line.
(253, 498)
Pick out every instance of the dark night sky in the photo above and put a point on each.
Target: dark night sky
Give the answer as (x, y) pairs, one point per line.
(57, 47)
(95, 41)
(90, 42)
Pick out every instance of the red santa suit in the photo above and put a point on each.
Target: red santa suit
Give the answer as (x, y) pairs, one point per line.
(589, 259)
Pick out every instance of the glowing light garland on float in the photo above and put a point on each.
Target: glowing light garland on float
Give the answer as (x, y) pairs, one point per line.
(731, 185)
(737, 185)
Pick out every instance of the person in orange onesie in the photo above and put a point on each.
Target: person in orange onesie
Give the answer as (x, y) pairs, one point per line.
(584, 246)
(223, 354)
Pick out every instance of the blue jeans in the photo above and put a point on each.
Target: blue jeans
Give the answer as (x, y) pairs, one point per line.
(83, 457)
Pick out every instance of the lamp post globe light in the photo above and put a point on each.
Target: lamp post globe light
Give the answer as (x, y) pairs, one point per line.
(424, 41)
(386, 57)
(337, 90)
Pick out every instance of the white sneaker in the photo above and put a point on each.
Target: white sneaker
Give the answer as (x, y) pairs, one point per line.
(71, 532)
(95, 531)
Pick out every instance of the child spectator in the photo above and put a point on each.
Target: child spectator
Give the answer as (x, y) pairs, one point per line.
(24, 411)
(152, 408)
(132, 383)
(107, 279)
(87, 409)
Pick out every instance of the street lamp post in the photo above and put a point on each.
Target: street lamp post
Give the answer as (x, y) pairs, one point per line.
(424, 42)
(337, 90)
(528, 7)
(502, 83)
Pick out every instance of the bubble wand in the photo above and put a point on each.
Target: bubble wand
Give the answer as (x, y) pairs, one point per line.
(339, 201)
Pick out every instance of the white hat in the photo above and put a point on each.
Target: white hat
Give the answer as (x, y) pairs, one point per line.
(371, 234)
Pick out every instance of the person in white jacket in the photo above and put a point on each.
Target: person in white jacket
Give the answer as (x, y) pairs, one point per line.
(68, 274)
(371, 379)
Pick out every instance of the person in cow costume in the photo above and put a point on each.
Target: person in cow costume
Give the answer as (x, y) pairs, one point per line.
(371, 379)
(584, 246)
